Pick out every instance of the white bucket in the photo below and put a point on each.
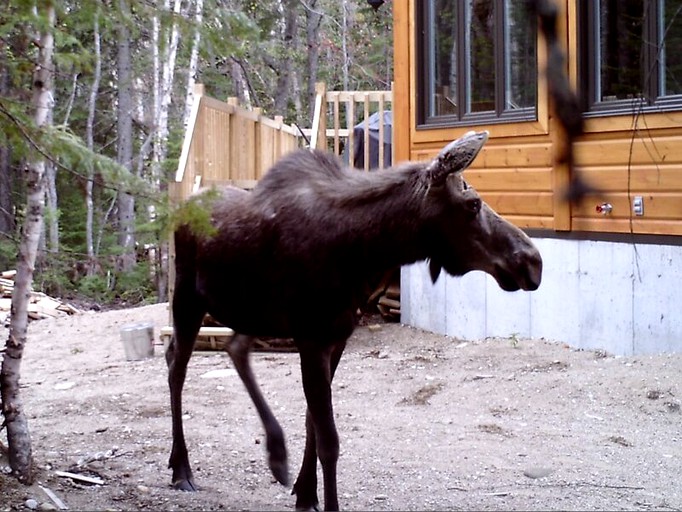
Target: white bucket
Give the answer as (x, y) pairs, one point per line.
(138, 341)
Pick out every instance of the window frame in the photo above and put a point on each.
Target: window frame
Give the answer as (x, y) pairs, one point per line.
(425, 58)
(589, 74)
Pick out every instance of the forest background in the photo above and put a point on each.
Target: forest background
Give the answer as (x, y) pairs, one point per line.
(119, 77)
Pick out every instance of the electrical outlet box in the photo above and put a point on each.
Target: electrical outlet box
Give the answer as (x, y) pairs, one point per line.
(638, 206)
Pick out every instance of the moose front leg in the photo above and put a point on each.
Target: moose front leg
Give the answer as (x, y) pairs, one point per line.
(239, 348)
(322, 440)
(305, 487)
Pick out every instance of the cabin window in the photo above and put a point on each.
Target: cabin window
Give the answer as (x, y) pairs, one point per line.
(477, 62)
(630, 55)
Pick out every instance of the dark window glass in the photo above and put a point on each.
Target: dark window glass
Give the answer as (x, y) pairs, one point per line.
(480, 55)
(620, 49)
(521, 58)
(670, 40)
(631, 55)
(478, 61)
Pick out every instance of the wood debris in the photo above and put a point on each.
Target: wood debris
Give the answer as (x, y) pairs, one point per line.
(40, 305)
(80, 478)
(389, 302)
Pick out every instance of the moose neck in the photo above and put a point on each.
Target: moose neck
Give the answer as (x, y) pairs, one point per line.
(384, 213)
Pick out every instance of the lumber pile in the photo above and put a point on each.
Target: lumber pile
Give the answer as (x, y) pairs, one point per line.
(40, 305)
(389, 303)
(386, 296)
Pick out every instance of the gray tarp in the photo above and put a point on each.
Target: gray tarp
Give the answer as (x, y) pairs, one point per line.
(359, 142)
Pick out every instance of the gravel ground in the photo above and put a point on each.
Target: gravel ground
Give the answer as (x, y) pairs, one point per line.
(426, 422)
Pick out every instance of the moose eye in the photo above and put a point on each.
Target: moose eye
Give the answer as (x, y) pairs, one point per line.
(473, 206)
(465, 185)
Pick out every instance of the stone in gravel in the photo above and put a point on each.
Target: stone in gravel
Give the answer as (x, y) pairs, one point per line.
(537, 472)
(31, 504)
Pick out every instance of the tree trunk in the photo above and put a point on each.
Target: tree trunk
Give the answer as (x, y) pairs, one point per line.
(89, 139)
(344, 45)
(52, 208)
(6, 203)
(18, 436)
(124, 125)
(241, 85)
(313, 21)
(283, 92)
(193, 61)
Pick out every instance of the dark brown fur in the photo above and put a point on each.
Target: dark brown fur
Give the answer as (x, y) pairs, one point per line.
(293, 259)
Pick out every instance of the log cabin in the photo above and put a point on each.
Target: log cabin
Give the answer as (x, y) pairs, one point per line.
(613, 262)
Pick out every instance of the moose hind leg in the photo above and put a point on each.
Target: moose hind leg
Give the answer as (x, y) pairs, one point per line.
(187, 321)
(239, 348)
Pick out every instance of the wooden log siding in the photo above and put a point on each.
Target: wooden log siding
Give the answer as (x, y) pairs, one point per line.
(516, 172)
(623, 167)
(337, 113)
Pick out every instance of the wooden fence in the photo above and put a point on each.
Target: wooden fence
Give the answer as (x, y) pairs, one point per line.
(226, 144)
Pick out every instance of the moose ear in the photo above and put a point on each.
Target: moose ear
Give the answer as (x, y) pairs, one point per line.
(434, 270)
(456, 156)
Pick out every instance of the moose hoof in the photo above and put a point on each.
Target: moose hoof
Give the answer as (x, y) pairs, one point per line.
(185, 484)
(280, 470)
(309, 503)
(309, 509)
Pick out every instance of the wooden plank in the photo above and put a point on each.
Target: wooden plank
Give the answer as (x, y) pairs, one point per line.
(390, 303)
(600, 152)
(515, 155)
(520, 203)
(526, 154)
(366, 131)
(350, 122)
(646, 122)
(319, 140)
(637, 226)
(405, 132)
(80, 478)
(531, 221)
(189, 135)
(167, 331)
(510, 179)
(380, 112)
(337, 127)
(638, 178)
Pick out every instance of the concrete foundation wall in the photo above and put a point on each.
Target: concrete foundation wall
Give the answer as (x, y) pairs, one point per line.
(619, 297)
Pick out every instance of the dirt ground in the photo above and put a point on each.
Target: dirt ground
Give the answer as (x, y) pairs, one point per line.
(426, 422)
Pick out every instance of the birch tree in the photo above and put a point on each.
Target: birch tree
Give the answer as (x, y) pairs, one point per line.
(18, 436)
(193, 66)
(89, 140)
(313, 22)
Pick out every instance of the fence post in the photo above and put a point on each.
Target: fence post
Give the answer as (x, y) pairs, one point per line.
(319, 135)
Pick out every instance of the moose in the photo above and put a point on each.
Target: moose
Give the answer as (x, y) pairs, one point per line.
(312, 229)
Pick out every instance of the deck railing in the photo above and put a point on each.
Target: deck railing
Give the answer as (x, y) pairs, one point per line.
(337, 116)
(227, 144)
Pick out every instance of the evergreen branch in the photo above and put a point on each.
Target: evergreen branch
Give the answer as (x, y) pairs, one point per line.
(129, 183)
